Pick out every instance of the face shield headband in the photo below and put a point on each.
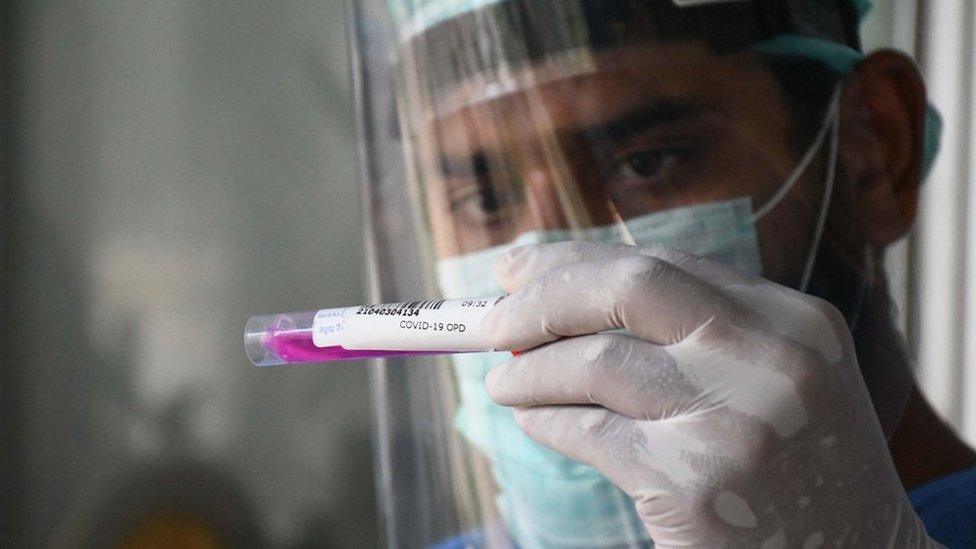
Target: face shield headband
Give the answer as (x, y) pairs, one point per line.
(497, 47)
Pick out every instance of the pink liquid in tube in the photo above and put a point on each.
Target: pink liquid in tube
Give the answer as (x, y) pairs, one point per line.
(296, 346)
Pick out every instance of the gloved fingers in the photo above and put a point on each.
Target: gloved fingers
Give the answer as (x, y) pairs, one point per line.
(624, 374)
(635, 455)
(649, 297)
(584, 433)
(521, 264)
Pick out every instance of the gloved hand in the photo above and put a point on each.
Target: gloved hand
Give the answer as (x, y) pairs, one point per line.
(733, 413)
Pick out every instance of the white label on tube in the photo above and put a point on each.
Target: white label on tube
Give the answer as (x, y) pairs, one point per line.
(436, 325)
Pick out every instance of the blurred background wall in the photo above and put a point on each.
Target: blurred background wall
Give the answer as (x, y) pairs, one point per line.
(174, 167)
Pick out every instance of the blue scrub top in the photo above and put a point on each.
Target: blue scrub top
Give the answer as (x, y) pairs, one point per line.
(946, 505)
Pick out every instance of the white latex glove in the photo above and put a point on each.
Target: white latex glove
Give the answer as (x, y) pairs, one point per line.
(734, 416)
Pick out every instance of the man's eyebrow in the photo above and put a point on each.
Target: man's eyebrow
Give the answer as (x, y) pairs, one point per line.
(641, 119)
(627, 124)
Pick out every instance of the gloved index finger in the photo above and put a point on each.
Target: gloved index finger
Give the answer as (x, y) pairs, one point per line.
(647, 296)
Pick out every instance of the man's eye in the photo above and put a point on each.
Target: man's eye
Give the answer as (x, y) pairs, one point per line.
(648, 164)
(481, 197)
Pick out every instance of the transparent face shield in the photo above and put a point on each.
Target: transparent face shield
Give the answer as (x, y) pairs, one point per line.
(489, 124)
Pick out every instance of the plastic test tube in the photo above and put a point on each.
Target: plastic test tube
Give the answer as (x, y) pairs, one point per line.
(368, 331)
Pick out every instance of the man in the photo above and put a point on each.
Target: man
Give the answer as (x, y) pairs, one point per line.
(736, 395)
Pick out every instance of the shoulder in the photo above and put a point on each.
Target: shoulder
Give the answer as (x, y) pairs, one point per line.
(947, 506)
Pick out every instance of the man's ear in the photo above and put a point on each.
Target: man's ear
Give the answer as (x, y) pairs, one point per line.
(883, 111)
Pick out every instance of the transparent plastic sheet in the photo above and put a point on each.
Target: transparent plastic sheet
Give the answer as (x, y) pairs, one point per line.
(426, 480)
(488, 123)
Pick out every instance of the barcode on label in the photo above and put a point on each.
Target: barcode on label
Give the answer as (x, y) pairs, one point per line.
(433, 305)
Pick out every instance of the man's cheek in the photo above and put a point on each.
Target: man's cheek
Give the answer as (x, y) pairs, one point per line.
(785, 241)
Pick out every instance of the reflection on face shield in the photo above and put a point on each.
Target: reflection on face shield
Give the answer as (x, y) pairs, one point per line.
(549, 500)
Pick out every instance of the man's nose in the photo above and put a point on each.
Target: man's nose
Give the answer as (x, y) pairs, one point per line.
(556, 199)
(544, 200)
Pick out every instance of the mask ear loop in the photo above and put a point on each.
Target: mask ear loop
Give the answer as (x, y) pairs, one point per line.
(831, 124)
(829, 117)
(828, 194)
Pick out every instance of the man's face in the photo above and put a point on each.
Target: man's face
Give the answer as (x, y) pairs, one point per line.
(651, 129)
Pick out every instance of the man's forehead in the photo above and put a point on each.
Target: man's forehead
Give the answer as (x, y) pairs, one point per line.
(680, 75)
